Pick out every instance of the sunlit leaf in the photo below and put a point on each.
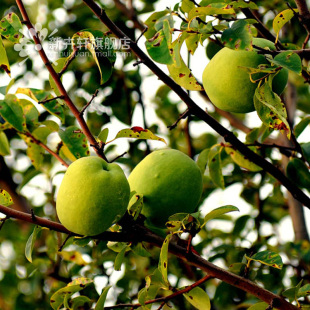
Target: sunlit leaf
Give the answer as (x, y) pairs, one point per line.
(12, 111)
(292, 292)
(218, 212)
(242, 160)
(140, 250)
(304, 290)
(151, 21)
(75, 141)
(10, 27)
(198, 298)
(137, 133)
(211, 9)
(4, 62)
(259, 306)
(53, 107)
(5, 198)
(102, 298)
(159, 46)
(31, 242)
(34, 151)
(281, 19)
(73, 256)
(187, 5)
(4, 144)
(239, 36)
(103, 135)
(163, 258)
(271, 109)
(202, 160)
(268, 258)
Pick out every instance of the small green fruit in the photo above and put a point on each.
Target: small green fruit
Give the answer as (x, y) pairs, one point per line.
(229, 86)
(170, 183)
(92, 196)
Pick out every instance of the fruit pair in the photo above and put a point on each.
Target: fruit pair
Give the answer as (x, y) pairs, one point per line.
(95, 194)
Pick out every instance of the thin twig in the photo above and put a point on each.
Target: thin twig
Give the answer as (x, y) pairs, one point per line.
(68, 62)
(45, 147)
(182, 116)
(52, 99)
(89, 103)
(117, 157)
(164, 299)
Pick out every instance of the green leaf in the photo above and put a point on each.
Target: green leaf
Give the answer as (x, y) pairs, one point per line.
(80, 302)
(120, 257)
(31, 241)
(137, 133)
(10, 27)
(4, 144)
(101, 48)
(159, 46)
(211, 9)
(53, 107)
(304, 290)
(151, 21)
(268, 258)
(202, 160)
(198, 298)
(242, 160)
(75, 140)
(306, 150)
(187, 5)
(192, 41)
(281, 19)
(270, 108)
(34, 151)
(163, 259)
(239, 36)
(215, 167)
(5, 198)
(301, 126)
(140, 250)
(292, 292)
(103, 135)
(62, 295)
(259, 306)
(142, 296)
(240, 4)
(4, 62)
(218, 212)
(102, 298)
(298, 172)
(30, 111)
(288, 60)
(12, 111)
(135, 206)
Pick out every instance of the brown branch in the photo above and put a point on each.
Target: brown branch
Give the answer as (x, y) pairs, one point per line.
(45, 147)
(57, 80)
(196, 110)
(165, 298)
(304, 14)
(89, 103)
(68, 62)
(138, 233)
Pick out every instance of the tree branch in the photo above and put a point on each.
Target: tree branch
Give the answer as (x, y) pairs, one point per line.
(165, 298)
(57, 80)
(137, 233)
(196, 110)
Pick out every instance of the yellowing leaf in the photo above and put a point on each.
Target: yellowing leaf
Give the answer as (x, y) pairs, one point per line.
(4, 62)
(198, 298)
(137, 133)
(4, 144)
(73, 256)
(281, 19)
(211, 9)
(241, 160)
(5, 198)
(163, 259)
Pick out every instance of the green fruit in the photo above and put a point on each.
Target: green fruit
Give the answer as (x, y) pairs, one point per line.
(92, 196)
(229, 86)
(170, 183)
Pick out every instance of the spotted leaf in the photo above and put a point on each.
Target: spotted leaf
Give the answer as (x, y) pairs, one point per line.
(268, 258)
(5, 198)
